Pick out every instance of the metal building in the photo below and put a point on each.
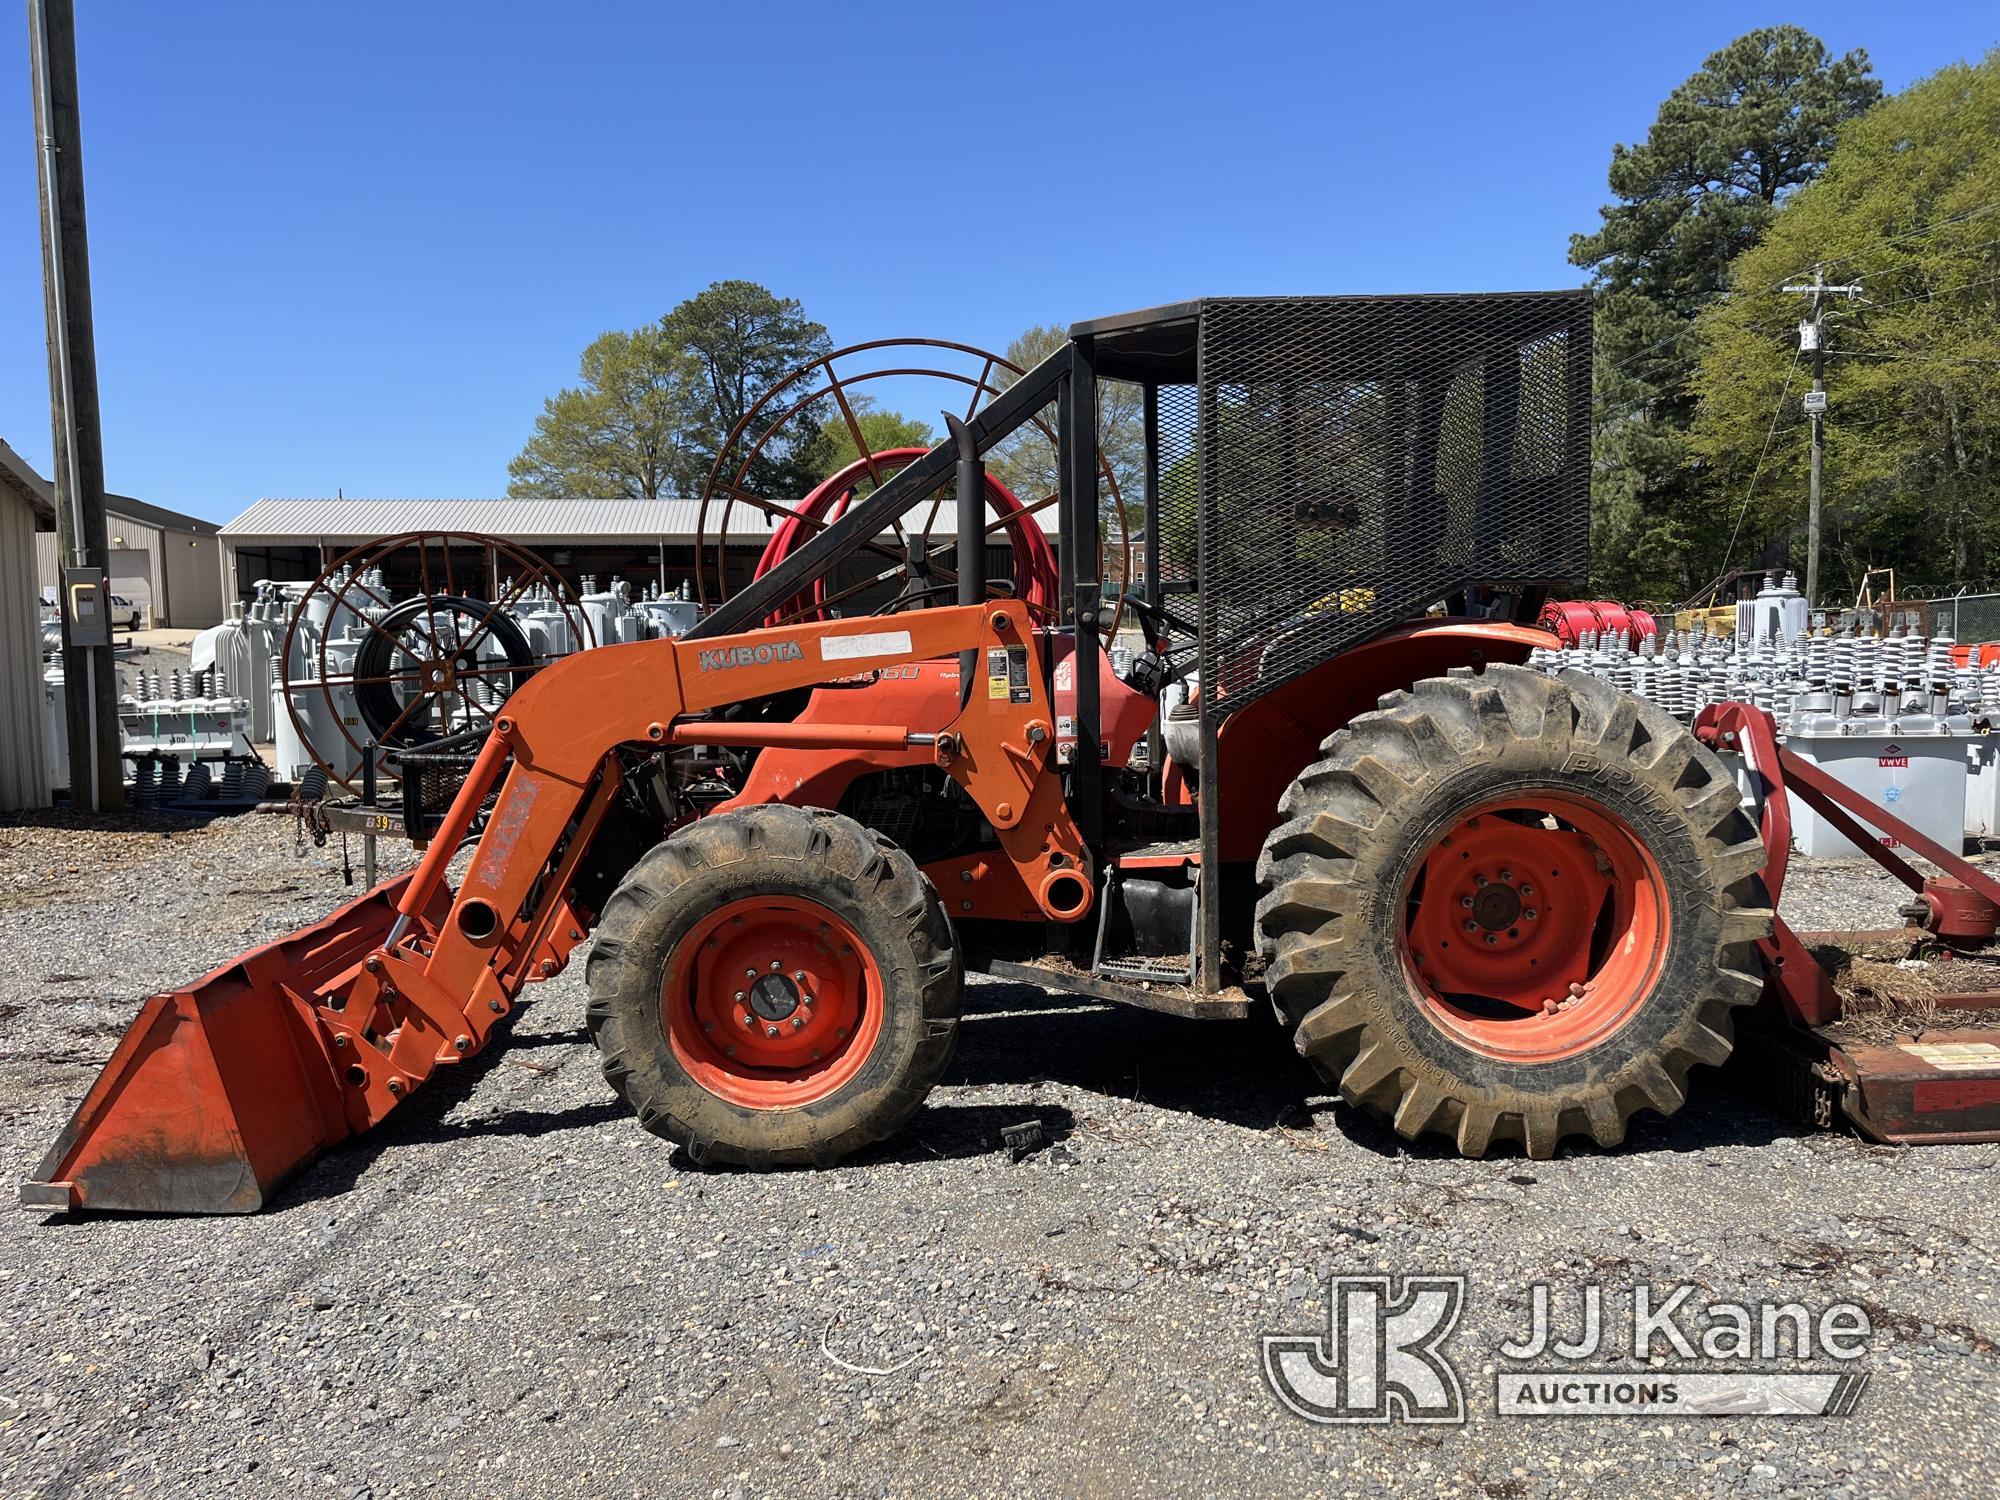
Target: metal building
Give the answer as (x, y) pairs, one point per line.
(27, 512)
(643, 541)
(167, 563)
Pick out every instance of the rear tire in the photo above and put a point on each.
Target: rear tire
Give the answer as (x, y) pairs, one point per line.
(1600, 796)
(774, 986)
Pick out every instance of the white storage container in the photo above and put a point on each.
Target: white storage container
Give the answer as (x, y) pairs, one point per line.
(1982, 787)
(1913, 767)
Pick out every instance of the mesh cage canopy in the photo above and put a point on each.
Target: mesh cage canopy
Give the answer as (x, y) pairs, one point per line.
(1355, 460)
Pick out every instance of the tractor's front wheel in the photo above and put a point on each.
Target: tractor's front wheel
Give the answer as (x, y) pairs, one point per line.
(774, 986)
(1510, 907)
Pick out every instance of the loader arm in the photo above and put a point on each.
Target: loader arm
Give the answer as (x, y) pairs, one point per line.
(220, 1091)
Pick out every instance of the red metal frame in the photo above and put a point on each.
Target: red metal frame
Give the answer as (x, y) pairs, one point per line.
(1909, 1091)
(199, 1108)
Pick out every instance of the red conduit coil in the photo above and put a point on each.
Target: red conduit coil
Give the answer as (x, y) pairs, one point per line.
(1567, 619)
(1034, 562)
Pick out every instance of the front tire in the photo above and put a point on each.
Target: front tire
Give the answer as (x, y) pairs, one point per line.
(1510, 907)
(774, 986)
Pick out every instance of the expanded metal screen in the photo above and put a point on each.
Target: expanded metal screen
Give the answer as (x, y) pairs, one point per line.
(1180, 507)
(1358, 459)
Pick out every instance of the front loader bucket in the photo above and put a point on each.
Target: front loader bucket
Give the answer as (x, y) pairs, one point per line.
(220, 1091)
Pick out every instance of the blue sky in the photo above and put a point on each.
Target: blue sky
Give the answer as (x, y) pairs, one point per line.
(354, 246)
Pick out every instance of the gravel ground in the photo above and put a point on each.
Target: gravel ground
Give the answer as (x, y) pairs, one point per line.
(1843, 895)
(510, 1289)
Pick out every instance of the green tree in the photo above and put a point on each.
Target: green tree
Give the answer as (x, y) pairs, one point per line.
(1908, 207)
(831, 448)
(744, 340)
(1027, 461)
(624, 431)
(656, 405)
(1755, 124)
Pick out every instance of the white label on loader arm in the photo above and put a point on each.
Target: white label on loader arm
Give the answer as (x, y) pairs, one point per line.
(877, 643)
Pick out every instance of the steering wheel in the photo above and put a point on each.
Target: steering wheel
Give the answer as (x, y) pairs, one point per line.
(1154, 618)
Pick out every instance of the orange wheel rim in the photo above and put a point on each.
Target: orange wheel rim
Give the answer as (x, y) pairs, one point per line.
(771, 1002)
(1535, 927)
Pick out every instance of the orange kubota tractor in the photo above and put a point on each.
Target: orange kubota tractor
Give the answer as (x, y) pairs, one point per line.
(1487, 903)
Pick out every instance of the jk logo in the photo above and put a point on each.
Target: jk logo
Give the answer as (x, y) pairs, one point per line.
(1379, 1359)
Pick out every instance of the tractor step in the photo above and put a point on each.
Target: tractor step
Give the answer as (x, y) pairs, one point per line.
(1147, 970)
(1142, 968)
(1174, 1000)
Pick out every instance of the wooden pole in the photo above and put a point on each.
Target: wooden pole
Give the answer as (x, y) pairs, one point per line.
(97, 774)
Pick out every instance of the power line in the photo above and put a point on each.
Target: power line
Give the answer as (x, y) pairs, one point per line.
(1708, 299)
(1932, 359)
(1777, 413)
(1950, 291)
(1911, 234)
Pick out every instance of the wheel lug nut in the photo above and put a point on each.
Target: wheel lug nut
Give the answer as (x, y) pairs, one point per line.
(1470, 925)
(1530, 914)
(798, 1023)
(749, 973)
(1479, 880)
(1576, 991)
(1466, 902)
(775, 966)
(770, 1031)
(1527, 890)
(739, 997)
(798, 976)
(1491, 940)
(749, 1021)
(1506, 877)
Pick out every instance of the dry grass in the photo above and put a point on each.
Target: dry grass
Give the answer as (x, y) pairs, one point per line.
(1891, 989)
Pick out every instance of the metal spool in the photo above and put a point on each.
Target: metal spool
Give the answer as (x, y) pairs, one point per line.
(921, 572)
(435, 664)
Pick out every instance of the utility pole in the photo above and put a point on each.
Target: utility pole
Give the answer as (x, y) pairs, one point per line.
(1812, 339)
(96, 773)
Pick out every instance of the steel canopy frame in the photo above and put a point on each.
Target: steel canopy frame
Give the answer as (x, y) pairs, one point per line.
(817, 559)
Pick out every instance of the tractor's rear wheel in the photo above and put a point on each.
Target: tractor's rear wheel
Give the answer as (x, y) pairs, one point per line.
(1511, 907)
(774, 986)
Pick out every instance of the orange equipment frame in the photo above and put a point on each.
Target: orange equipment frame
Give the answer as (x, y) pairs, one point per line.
(199, 1108)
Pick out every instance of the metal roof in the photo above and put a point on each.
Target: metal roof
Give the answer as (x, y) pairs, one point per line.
(514, 520)
(148, 514)
(20, 476)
